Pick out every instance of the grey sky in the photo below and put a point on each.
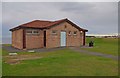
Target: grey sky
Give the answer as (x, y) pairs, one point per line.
(98, 18)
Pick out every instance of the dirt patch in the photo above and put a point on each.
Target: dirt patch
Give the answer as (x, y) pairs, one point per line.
(18, 58)
(12, 61)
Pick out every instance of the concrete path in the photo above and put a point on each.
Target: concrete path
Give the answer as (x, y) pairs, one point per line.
(12, 49)
(77, 49)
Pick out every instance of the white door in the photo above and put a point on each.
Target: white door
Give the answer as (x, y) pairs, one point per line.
(63, 38)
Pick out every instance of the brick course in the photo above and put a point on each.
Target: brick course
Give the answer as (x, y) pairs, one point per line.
(34, 41)
(17, 39)
(71, 40)
(52, 40)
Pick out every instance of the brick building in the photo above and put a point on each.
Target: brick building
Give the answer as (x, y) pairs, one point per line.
(48, 34)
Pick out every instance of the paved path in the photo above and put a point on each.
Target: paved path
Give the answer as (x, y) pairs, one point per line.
(94, 53)
(11, 49)
(77, 49)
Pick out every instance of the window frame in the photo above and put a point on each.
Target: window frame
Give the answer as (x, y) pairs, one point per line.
(75, 33)
(32, 32)
(28, 31)
(54, 32)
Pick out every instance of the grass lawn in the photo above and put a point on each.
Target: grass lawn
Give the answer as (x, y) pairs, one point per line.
(4, 52)
(0, 61)
(62, 63)
(104, 45)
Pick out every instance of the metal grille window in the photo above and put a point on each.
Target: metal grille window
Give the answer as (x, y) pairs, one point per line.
(36, 32)
(29, 31)
(75, 33)
(32, 32)
(54, 32)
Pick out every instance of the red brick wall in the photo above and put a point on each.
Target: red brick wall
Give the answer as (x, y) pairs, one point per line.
(52, 40)
(71, 40)
(17, 39)
(34, 41)
(37, 41)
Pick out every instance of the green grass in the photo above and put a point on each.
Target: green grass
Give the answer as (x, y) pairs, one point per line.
(104, 45)
(0, 62)
(63, 63)
(67, 62)
(0, 52)
(6, 44)
(3, 51)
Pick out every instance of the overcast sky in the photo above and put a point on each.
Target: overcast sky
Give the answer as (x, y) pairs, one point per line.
(97, 17)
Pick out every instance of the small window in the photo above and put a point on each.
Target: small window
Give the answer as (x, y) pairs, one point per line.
(29, 31)
(33, 32)
(54, 32)
(75, 33)
(69, 33)
(36, 32)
